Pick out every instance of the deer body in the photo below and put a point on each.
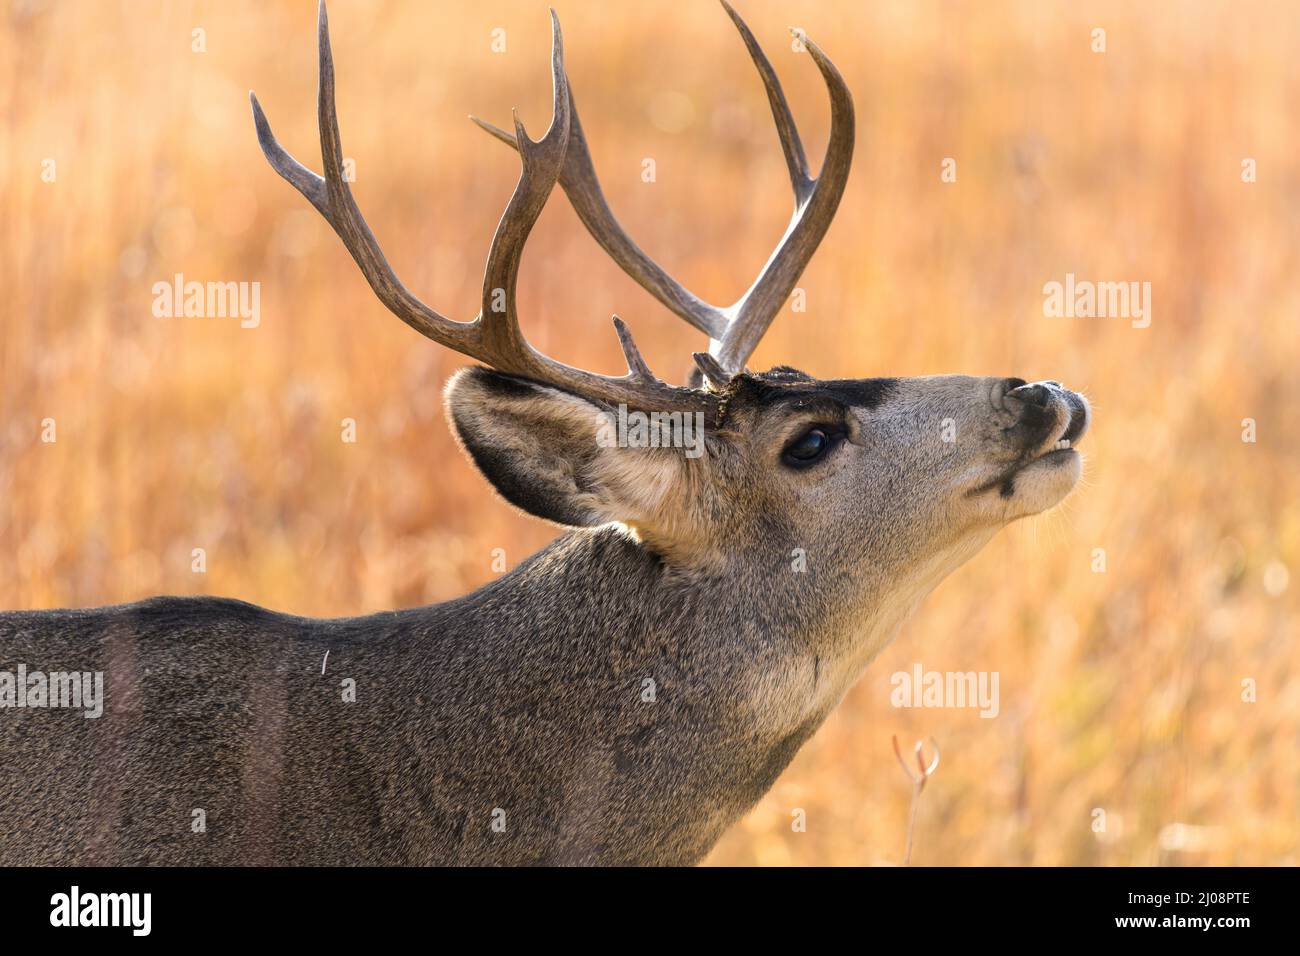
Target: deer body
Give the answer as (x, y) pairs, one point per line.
(621, 697)
(463, 709)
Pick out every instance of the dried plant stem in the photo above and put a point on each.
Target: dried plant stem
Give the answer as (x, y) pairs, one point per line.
(919, 781)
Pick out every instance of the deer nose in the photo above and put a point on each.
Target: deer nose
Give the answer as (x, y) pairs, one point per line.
(1039, 394)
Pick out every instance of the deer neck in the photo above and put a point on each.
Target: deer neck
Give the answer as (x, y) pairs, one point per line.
(772, 647)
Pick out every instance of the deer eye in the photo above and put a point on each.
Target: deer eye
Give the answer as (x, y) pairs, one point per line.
(808, 447)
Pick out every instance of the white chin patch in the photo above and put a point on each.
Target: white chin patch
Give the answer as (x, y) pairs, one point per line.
(1045, 482)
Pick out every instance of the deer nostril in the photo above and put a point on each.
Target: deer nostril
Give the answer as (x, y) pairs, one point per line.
(1039, 395)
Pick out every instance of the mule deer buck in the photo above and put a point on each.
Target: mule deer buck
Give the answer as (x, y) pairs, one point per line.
(624, 695)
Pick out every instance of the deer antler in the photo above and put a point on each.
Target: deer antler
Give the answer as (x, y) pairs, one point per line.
(494, 336)
(735, 331)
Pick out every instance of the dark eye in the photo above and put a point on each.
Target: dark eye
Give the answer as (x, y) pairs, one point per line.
(808, 447)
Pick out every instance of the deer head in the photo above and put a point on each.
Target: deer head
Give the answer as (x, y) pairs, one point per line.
(884, 484)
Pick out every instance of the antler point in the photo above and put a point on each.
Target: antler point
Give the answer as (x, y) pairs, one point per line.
(713, 371)
(520, 132)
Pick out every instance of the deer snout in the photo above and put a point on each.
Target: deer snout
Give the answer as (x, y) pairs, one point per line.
(1047, 414)
(1039, 394)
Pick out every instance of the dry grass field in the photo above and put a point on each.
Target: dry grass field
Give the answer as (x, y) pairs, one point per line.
(128, 157)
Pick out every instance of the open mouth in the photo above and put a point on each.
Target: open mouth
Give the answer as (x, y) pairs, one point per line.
(1054, 454)
(1078, 422)
(1063, 448)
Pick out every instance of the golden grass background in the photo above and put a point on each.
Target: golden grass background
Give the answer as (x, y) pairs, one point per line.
(1120, 690)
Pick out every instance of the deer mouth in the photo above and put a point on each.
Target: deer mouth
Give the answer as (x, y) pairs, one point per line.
(1049, 471)
(1053, 459)
(1062, 450)
(1062, 447)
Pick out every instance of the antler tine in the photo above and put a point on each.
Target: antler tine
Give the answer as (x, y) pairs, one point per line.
(713, 373)
(333, 200)
(541, 163)
(503, 343)
(796, 162)
(736, 330)
(494, 337)
(579, 182)
(814, 210)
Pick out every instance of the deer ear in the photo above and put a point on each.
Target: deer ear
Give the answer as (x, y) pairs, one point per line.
(535, 444)
(549, 453)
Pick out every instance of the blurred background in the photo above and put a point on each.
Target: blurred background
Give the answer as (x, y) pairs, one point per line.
(128, 156)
